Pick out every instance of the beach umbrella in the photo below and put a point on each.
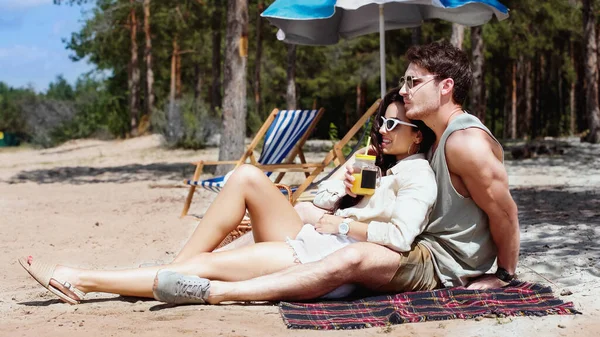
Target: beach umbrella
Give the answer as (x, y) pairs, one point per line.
(324, 22)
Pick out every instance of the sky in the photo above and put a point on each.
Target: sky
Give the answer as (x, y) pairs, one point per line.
(31, 47)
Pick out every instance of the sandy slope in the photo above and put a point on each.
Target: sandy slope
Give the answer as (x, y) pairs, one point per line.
(96, 204)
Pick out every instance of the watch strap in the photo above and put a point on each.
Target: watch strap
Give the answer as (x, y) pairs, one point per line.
(504, 275)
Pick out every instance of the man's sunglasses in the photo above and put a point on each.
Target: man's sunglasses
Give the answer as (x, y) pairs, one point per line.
(391, 123)
(411, 81)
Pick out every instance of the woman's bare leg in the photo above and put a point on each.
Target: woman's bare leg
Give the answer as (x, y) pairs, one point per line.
(273, 217)
(309, 213)
(234, 265)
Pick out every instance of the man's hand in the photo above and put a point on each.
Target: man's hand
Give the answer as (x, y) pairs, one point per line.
(486, 281)
(328, 224)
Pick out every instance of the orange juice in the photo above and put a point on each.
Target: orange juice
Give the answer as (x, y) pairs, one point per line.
(364, 182)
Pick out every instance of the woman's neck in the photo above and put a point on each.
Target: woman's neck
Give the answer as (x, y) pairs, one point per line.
(402, 156)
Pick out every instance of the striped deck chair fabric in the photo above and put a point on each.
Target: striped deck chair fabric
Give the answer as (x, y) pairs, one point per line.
(286, 133)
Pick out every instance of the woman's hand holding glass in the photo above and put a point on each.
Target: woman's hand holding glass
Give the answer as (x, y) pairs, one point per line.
(349, 180)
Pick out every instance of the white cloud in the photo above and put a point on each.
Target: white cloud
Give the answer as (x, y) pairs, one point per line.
(58, 26)
(19, 4)
(22, 54)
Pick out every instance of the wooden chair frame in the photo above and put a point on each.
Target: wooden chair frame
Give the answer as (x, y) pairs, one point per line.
(287, 165)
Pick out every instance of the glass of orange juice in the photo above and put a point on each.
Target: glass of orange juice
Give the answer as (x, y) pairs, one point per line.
(366, 175)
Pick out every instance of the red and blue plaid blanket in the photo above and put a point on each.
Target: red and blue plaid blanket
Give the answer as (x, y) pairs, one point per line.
(516, 299)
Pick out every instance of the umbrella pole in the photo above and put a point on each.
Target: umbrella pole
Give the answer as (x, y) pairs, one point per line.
(382, 50)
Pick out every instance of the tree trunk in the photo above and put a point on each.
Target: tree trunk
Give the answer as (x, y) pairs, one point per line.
(513, 105)
(416, 36)
(148, 57)
(558, 118)
(572, 102)
(535, 112)
(478, 89)
(458, 35)
(258, 59)
(215, 91)
(528, 100)
(234, 101)
(290, 95)
(134, 72)
(506, 109)
(173, 84)
(178, 86)
(174, 130)
(198, 86)
(591, 72)
(361, 98)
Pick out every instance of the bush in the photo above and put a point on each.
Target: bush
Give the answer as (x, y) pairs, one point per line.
(188, 123)
(11, 117)
(46, 118)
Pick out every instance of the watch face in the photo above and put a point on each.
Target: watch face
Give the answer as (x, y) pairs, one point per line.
(343, 228)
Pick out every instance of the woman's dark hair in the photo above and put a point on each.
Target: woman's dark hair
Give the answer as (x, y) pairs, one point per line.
(386, 161)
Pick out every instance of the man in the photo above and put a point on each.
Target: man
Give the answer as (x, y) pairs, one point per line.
(473, 224)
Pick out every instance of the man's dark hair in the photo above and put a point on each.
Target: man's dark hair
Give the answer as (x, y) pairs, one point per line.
(445, 61)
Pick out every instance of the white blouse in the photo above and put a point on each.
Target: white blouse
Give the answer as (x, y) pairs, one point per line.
(399, 209)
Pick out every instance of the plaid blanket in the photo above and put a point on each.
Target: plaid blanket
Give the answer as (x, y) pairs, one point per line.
(516, 299)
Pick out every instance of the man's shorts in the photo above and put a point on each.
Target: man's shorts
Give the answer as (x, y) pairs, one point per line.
(415, 272)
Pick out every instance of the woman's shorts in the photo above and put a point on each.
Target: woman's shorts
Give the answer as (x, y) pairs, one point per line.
(310, 245)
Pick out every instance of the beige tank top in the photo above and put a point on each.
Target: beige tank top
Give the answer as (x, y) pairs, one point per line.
(458, 234)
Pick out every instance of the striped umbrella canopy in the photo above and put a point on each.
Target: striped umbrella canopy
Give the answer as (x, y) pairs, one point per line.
(324, 22)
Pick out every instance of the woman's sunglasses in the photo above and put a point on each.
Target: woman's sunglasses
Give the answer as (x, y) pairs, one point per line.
(411, 81)
(391, 123)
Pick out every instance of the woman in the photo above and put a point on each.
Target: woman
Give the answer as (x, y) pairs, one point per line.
(274, 220)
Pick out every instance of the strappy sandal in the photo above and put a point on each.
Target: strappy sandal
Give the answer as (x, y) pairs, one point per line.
(42, 272)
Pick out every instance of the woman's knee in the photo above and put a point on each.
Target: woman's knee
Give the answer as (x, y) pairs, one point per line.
(302, 207)
(246, 174)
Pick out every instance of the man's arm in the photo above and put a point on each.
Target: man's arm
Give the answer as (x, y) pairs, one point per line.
(470, 156)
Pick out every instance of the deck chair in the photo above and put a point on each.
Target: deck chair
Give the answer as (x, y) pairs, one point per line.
(284, 133)
(306, 192)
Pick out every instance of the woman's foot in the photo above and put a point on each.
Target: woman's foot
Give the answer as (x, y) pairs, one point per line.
(175, 288)
(61, 281)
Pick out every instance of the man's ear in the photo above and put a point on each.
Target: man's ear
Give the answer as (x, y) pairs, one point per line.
(447, 86)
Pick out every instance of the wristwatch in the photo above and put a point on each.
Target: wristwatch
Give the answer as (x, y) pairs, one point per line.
(504, 275)
(344, 226)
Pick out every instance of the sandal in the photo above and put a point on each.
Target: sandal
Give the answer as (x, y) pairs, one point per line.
(42, 272)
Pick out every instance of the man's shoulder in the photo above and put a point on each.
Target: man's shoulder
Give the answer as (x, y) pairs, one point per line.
(470, 148)
(470, 141)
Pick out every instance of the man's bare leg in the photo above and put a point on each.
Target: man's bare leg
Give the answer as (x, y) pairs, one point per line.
(367, 264)
(273, 217)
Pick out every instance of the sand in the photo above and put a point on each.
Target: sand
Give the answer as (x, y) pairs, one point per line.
(116, 204)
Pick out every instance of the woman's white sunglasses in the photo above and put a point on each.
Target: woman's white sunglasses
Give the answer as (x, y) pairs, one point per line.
(391, 123)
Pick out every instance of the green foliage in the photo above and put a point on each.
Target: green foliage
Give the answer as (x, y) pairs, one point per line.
(333, 133)
(60, 90)
(11, 118)
(96, 113)
(546, 34)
